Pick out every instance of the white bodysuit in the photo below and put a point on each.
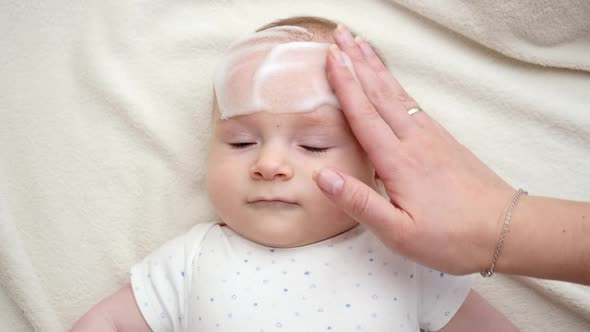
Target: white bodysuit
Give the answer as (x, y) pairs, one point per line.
(212, 279)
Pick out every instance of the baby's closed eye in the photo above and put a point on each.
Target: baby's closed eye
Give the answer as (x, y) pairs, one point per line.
(241, 145)
(314, 149)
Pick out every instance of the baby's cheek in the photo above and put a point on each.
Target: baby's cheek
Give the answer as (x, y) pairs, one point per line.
(218, 196)
(219, 187)
(354, 161)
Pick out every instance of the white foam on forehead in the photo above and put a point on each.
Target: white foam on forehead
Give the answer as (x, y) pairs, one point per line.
(274, 71)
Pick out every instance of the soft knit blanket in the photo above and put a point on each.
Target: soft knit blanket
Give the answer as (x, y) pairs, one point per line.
(104, 119)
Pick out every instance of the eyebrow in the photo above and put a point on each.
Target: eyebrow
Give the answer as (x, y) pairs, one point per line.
(312, 120)
(321, 119)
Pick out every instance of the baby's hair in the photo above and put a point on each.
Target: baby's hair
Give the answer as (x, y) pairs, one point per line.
(322, 28)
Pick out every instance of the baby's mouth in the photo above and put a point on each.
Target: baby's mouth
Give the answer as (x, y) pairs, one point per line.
(272, 202)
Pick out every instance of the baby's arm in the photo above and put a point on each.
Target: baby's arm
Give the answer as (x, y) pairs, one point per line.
(476, 314)
(118, 312)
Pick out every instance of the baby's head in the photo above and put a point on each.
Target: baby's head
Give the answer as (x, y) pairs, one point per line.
(276, 121)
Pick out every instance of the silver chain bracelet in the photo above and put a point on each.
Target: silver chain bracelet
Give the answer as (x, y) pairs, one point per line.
(490, 271)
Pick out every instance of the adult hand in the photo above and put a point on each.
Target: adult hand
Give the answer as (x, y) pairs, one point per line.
(446, 207)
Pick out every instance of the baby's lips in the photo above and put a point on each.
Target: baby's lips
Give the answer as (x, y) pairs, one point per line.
(272, 199)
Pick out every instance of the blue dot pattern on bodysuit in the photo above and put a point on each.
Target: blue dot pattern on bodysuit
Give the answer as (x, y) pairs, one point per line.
(347, 283)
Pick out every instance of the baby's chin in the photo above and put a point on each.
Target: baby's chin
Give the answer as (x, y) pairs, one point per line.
(285, 234)
(280, 235)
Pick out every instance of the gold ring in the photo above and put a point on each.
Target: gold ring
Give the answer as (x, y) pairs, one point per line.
(414, 110)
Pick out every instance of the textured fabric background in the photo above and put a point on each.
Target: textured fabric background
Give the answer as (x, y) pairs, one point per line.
(104, 118)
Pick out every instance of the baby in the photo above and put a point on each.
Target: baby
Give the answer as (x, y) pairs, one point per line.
(282, 257)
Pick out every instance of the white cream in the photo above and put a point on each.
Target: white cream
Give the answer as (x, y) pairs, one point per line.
(277, 70)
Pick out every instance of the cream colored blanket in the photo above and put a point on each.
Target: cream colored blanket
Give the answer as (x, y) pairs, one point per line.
(104, 117)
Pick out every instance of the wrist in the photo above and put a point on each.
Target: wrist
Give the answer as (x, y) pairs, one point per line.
(503, 229)
(487, 234)
(547, 239)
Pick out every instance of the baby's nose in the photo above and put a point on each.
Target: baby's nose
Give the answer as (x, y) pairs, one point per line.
(272, 164)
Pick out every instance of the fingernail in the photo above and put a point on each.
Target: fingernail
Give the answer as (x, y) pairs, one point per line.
(344, 36)
(329, 181)
(364, 46)
(336, 54)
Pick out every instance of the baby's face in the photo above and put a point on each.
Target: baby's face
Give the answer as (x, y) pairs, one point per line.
(260, 170)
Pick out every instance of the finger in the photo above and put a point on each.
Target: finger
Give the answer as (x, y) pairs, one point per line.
(372, 132)
(383, 91)
(383, 73)
(424, 120)
(420, 118)
(366, 206)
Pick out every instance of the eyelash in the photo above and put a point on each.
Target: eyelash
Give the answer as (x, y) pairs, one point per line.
(240, 145)
(314, 149)
(305, 147)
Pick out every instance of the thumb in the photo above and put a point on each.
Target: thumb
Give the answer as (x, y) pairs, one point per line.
(363, 204)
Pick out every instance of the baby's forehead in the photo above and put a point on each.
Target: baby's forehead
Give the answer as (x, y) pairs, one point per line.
(325, 116)
(280, 69)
